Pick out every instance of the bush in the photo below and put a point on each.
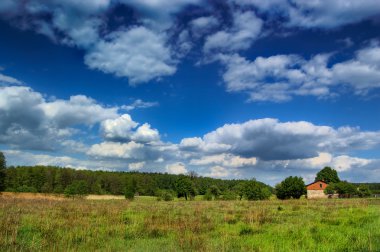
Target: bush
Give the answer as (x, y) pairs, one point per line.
(207, 196)
(214, 190)
(165, 195)
(291, 187)
(25, 188)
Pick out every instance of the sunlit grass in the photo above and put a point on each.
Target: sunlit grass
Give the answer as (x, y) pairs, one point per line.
(148, 225)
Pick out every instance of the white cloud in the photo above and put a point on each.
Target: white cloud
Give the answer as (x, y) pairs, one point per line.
(4, 79)
(119, 128)
(362, 73)
(269, 139)
(79, 109)
(28, 120)
(344, 163)
(145, 133)
(330, 14)
(226, 160)
(279, 78)
(136, 166)
(316, 14)
(139, 104)
(245, 29)
(203, 25)
(130, 150)
(197, 144)
(218, 172)
(176, 168)
(124, 129)
(138, 53)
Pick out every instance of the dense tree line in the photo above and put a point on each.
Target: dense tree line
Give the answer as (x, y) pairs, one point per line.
(50, 179)
(71, 182)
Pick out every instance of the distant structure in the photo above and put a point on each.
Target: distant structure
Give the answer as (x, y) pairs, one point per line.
(316, 189)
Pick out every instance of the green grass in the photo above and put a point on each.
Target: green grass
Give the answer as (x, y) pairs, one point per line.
(148, 225)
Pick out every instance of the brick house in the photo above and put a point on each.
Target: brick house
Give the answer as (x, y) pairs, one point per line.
(316, 189)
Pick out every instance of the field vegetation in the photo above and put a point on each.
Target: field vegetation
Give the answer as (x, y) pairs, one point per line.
(145, 224)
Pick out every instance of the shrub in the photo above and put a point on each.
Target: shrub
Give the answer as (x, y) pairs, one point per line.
(25, 188)
(207, 196)
(165, 195)
(214, 190)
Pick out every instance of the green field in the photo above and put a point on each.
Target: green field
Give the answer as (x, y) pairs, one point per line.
(149, 225)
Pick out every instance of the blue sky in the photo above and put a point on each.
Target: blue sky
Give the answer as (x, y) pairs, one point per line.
(229, 89)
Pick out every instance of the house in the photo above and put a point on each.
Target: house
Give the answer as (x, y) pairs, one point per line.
(316, 189)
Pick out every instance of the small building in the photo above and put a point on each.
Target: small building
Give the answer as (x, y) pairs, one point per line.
(316, 189)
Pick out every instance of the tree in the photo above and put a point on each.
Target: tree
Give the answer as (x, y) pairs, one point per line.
(239, 189)
(130, 188)
(364, 191)
(77, 188)
(2, 171)
(255, 190)
(328, 175)
(343, 188)
(185, 187)
(214, 190)
(291, 187)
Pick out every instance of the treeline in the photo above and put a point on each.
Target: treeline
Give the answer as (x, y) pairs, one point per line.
(374, 187)
(51, 179)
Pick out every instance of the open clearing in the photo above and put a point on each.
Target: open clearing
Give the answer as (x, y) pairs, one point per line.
(45, 224)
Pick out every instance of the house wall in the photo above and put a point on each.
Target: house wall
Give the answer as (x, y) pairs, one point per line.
(316, 194)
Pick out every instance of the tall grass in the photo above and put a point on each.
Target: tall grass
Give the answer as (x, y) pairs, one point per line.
(147, 225)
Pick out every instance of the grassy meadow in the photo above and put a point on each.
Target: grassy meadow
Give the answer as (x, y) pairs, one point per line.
(58, 224)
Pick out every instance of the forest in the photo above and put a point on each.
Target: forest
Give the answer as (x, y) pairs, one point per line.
(51, 179)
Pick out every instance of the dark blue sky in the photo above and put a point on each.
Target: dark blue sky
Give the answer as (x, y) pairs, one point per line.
(187, 69)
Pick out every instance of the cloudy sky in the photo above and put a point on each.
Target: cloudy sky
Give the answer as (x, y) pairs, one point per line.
(228, 89)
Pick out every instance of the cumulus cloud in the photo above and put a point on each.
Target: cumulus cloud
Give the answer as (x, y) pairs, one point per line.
(245, 29)
(218, 172)
(316, 14)
(196, 144)
(269, 139)
(226, 160)
(147, 48)
(29, 121)
(129, 150)
(124, 129)
(138, 53)
(176, 168)
(79, 109)
(203, 25)
(279, 78)
(136, 166)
